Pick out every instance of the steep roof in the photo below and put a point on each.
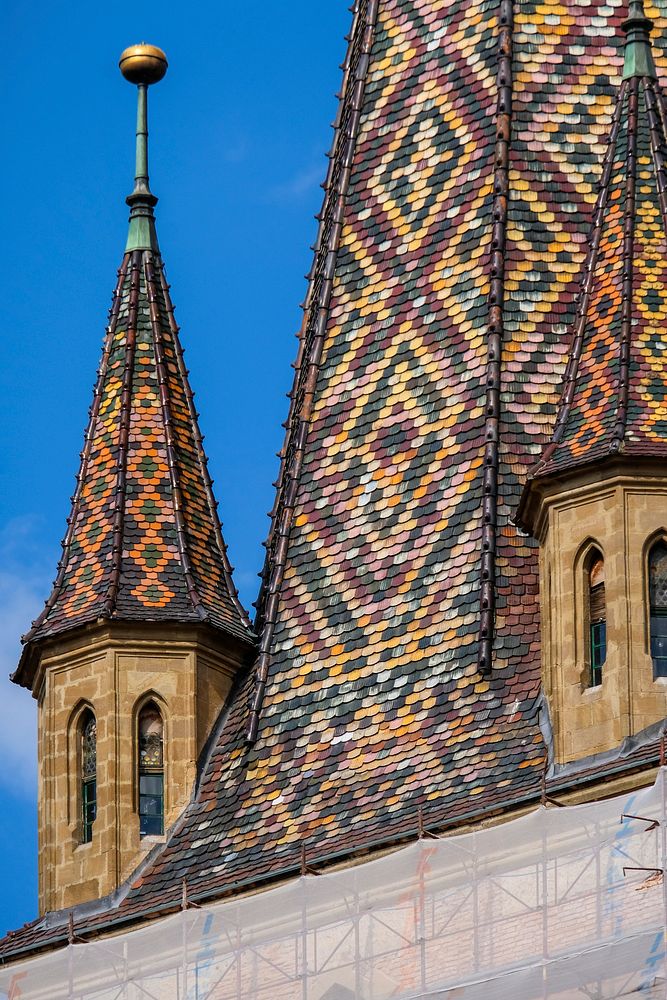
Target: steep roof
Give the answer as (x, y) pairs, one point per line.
(450, 217)
(144, 541)
(614, 398)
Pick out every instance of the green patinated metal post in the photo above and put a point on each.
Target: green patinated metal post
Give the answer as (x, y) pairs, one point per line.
(142, 135)
(638, 54)
(142, 65)
(142, 234)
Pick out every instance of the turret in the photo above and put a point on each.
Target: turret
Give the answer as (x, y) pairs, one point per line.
(143, 634)
(597, 499)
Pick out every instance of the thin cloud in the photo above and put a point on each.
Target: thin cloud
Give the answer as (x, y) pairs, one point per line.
(294, 188)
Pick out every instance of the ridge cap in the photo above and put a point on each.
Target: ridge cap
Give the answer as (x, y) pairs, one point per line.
(580, 324)
(202, 461)
(93, 412)
(125, 420)
(165, 410)
(633, 112)
(311, 339)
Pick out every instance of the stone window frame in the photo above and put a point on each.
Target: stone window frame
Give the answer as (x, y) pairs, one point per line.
(590, 549)
(142, 701)
(75, 769)
(659, 535)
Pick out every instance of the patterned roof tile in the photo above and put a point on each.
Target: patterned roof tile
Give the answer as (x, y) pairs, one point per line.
(368, 702)
(614, 397)
(143, 540)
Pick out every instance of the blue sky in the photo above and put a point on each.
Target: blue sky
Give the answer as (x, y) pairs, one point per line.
(239, 129)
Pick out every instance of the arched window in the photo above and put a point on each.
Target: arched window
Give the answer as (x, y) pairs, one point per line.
(151, 771)
(597, 617)
(88, 757)
(657, 580)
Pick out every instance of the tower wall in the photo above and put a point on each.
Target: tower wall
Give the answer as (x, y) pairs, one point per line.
(619, 515)
(112, 671)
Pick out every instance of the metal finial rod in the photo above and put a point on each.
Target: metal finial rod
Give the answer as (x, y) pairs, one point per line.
(142, 65)
(141, 167)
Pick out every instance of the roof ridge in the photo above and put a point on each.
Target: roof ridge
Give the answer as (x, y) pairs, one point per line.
(603, 406)
(495, 337)
(311, 338)
(165, 407)
(571, 374)
(88, 440)
(199, 447)
(636, 155)
(125, 418)
(653, 92)
(629, 223)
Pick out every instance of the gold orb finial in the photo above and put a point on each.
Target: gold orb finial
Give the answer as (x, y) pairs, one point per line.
(143, 63)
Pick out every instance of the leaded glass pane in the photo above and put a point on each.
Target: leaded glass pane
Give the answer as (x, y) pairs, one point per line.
(597, 620)
(89, 749)
(658, 577)
(151, 805)
(88, 775)
(89, 809)
(151, 774)
(150, 739)
(598, 651)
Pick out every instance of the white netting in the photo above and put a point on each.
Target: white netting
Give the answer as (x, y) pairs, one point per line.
(561, 904)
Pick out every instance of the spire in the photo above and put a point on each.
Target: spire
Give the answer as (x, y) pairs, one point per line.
(614, 398)
(143, 65)
(638, 55)
(144, 541)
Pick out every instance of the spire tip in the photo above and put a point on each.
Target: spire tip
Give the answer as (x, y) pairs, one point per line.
(143, 64)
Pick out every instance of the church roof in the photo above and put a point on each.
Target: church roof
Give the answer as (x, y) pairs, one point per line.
(614, 398)
(458, 206)
(143, 541)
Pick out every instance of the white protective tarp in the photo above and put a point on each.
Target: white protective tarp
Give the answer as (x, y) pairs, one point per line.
(560, 904)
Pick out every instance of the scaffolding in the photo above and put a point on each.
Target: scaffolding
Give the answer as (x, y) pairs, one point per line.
(561, 904)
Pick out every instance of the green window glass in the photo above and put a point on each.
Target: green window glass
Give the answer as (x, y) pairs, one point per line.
(657, 573)
(88, 775)
(597, 619)
(151, 771)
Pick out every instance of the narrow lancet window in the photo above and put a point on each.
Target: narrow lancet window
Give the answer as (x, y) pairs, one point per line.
(151, 771)
(657, 574)
(597, 619)
(88, 775)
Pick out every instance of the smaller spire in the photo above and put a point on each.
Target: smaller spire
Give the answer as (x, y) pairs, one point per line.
(143, 65)
(638, 55)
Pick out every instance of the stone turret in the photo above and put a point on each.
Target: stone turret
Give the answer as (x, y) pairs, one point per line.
(597, 499)
(138, 645)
